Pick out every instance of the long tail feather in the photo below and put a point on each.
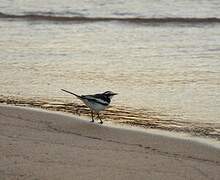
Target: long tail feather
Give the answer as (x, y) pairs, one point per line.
(71, 93)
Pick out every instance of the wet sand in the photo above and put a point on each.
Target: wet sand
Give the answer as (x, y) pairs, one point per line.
(122, 115)
(37, 144)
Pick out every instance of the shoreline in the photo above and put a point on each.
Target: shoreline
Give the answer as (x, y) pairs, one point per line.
(40, 144)
(138, 118)
(156, 132)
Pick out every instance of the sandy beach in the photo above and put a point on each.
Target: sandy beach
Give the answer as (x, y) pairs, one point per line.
(43, 145)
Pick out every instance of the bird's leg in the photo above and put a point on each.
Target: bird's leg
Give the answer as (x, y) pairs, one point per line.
(101, 122)
(78, 112)
(92, 116)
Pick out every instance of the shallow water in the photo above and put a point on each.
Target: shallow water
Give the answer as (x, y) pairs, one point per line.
(169, 68)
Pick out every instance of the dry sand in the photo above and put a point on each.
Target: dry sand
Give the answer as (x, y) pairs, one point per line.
(41, 145)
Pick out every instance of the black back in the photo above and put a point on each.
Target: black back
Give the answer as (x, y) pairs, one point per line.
(103, 97)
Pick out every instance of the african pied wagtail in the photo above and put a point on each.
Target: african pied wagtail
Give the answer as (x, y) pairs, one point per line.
(95, 102)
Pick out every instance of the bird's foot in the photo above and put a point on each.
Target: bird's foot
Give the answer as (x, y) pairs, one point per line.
(101, 122)
(92, 121)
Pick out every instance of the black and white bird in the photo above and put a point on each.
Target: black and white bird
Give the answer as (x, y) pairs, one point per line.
(95, 102)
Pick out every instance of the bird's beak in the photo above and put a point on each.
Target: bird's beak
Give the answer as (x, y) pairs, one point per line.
(114, 94)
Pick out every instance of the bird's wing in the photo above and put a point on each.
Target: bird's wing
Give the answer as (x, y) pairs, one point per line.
(95, 99)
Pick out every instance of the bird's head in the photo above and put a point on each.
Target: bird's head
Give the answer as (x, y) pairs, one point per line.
(109, 94)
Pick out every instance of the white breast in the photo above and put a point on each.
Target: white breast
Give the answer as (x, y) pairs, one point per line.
(94, 106)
